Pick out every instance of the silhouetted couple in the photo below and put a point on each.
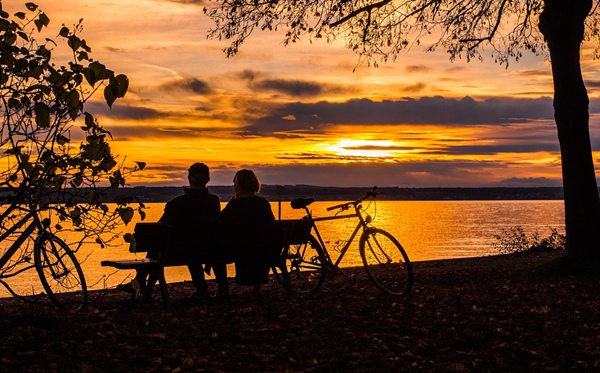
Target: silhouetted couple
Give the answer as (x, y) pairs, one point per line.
(198, 206)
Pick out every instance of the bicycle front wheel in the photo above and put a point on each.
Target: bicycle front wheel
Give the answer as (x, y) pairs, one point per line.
(386, 262)
(304, 267)
(60, 272)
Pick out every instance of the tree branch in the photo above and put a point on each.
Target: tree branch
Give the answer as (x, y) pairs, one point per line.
(355, 13)
(478, 41)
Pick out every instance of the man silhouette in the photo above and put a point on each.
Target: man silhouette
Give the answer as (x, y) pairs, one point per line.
(196, 206)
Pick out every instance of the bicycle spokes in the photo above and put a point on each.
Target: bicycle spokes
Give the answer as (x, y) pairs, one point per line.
(386, 262)
(60, 272)
(304, 266)
(377, 252)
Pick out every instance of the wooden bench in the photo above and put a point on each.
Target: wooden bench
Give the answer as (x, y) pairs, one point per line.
(262, 244)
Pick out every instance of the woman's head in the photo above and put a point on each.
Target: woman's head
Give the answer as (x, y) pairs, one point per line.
(245, 181)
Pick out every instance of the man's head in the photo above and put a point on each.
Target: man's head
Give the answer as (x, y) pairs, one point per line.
(198, 175)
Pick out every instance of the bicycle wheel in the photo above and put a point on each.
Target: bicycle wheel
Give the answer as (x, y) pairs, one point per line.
(60, 272)
(386, 262)
(304, 267)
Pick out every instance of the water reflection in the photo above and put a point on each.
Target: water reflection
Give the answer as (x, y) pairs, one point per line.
(426, 229)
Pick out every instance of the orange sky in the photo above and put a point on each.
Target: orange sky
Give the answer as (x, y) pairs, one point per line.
(300, 115)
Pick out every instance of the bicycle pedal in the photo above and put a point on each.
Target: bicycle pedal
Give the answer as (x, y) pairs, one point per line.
(352, 278)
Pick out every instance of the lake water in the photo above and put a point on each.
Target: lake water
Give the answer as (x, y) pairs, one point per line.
(427, 230)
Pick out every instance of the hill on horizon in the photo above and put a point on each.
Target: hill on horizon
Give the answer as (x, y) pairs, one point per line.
(290, 192)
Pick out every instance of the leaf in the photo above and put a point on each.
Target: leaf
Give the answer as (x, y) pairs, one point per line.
(74, 42)
(95, 72)
(89, 121)
(64, 32)
(129, 238)
(44, 20)
(100, 242)
(62, 140)
(82, 56)
(109, 96)
(31, 6)
(126, 214)
(141, 165)
(122, 85)
(42, 114)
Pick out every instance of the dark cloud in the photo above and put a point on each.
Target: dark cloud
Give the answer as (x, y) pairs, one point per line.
(531, 147)
(189, 84)
(414, 174)
(294, 88)
(414, 88)
(119, 111)
(182, 132)
(417, 69)
(529, 73)
(191, 2)
(289, 87)
(592, 84)
(426, 110)
(529, 182)
(378, 147)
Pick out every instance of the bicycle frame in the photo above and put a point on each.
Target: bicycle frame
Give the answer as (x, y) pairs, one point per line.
(23, 236)
(361, 226)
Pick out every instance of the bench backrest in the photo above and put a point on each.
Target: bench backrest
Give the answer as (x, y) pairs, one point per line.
(219, 236)
(150, 237)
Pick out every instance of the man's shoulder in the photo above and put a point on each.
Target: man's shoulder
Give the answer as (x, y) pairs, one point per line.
(195, 194)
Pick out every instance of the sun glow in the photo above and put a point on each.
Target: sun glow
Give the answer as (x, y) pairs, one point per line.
(365, 148)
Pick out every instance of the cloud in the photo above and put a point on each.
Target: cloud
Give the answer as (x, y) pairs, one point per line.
(529, 182)
(188, 84)
(120, 111)
(439, 110)
(183, 132)
(417, 69)
(529, 147)
(534, 73)
(414, 174)
(414, 88)
(289, 87)
(191, 2)
(294, 88)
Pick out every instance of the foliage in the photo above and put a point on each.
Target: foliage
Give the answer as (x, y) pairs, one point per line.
(381, 29)
(514, 240)
(46, 165)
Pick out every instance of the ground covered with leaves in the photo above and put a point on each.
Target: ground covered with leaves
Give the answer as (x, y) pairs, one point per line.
(505, 313)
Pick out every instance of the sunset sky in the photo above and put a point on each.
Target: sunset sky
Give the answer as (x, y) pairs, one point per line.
(300, 115)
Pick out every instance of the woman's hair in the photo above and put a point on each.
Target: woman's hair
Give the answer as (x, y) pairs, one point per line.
(247, 181)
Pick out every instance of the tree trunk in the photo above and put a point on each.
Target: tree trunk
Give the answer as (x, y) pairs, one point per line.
(562, 24)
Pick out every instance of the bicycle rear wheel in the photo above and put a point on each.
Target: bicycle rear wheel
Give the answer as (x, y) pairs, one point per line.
(60, 272)
(304, 267)
(386, 262)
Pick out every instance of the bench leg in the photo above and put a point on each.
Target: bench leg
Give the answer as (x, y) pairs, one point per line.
(158, 274)
(164, 292)
(285, 276)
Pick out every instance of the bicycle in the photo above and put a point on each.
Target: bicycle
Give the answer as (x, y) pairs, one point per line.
(56, 264)
(384, 259)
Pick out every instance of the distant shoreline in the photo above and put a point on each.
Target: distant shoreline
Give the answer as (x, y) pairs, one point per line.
(290, 192)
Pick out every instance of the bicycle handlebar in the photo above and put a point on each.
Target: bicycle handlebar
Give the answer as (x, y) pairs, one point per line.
(344, 206)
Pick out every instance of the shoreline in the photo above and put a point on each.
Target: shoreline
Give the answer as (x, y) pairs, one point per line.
(289, 192)
(420, 269)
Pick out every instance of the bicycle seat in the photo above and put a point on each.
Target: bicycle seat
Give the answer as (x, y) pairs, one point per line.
(300, 203)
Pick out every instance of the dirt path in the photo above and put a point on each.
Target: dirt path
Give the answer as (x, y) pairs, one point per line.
(487, 314)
